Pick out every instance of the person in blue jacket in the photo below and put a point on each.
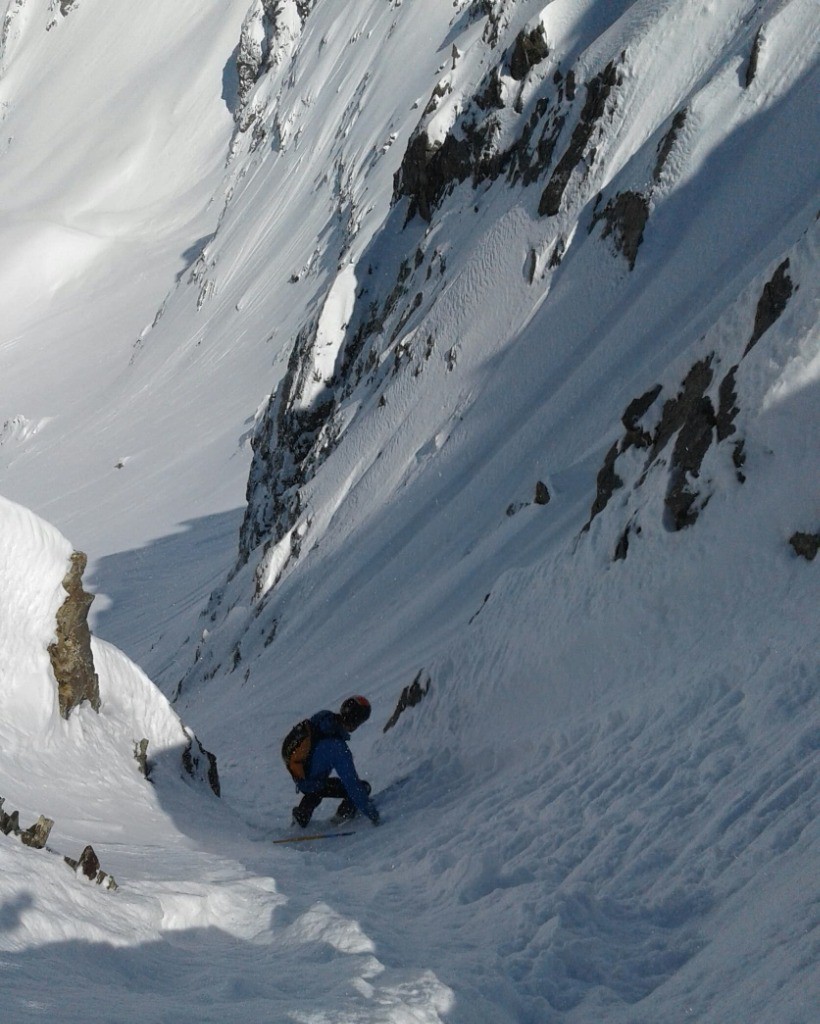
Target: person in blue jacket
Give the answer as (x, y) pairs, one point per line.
(330, 753)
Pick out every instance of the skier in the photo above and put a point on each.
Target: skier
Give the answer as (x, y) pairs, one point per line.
(318, 746)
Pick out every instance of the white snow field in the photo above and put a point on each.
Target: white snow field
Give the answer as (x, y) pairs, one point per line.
(470, 343)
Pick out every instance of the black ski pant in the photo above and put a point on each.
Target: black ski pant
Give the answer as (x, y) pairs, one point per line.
(332, 789)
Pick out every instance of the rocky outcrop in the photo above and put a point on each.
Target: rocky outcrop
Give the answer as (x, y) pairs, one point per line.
(625, 217)
(635, 436)
(690, 420)
(251, 52)
(200, 763)
(703, 413)
(776, 294)
(598, 92)
(693, 441)
(88, 866)
(471, 149)
(529, 49)
(36, 836)
(497, 14)
(626, 213)
(62, 8)
(12, 11)
(542, 496)
(805, 545)
(141, 757)
(667, 143)
(269, 30)
(70, 653)
(410, 696)
(284, 449)
(428, 171)
(754, 57)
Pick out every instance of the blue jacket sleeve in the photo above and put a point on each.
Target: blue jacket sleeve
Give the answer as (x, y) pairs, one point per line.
(346, 770)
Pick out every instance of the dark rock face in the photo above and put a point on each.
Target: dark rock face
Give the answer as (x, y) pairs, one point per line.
(200, 763)
(607, 483)
(677, 410)
(529, 49)
(428, 171)
(754, 57)
(805, 544)
(725, 420)
(89, 862)
(691, 416)
(690, 419)
(88, 866)
(702, 414)
(303, 7)
(727, 409)
(71, 657)
(625, 217)
(693, 441)
(598, 91)
(284, 448)
(495, 11)
(667, 143)
(776, 294)
(636, 436)
(410, 696)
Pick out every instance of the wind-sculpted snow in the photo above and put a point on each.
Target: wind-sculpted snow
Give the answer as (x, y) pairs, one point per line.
(30, 599)
(375, 343)
(38, 748)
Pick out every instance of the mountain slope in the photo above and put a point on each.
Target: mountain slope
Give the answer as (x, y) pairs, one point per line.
(488, 376)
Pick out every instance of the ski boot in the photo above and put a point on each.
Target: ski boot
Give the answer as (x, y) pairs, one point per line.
(301, 816)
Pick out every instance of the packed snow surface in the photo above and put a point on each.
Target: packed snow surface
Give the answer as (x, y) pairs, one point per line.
(604, 808)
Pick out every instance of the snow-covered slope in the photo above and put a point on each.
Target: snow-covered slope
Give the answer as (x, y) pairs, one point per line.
(180, 918)
(470, 344)
(69, 768)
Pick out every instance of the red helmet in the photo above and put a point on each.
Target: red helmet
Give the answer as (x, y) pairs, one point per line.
(354, 711)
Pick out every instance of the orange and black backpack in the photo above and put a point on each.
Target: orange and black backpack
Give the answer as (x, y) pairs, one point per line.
(296, 749)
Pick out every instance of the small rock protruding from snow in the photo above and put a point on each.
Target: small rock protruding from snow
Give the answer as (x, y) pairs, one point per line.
(89, 866)
(805, 544)
(410, 696)
(36, 836)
